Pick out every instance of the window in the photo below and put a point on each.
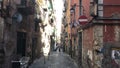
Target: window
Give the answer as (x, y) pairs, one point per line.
(100, 8)
(96, 8)
(21, 43)
(100, 1)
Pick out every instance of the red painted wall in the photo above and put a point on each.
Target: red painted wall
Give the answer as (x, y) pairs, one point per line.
(76, 9)
(110, 7)
(87, 33)
(109, 33)
(109, 10)
(86, 7)
(111, 2)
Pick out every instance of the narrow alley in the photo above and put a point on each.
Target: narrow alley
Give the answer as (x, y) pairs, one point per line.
(56, 60)
(34, 32)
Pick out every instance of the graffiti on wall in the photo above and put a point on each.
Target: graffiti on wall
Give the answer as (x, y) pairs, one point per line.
(115, 55)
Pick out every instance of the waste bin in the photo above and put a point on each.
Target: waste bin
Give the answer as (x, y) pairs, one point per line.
(24, 61)
(16, 64)
(21, 63)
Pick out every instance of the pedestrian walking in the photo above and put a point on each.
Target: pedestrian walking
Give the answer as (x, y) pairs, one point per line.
(58, 47)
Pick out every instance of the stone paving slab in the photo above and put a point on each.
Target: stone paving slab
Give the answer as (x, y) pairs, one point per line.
(56, 60)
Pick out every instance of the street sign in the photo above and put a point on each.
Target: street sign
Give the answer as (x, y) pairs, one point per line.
(83, 20)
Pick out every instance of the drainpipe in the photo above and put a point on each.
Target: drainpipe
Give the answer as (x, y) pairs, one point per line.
(80, 3)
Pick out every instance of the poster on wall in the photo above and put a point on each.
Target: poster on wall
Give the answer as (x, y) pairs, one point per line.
(115, 55)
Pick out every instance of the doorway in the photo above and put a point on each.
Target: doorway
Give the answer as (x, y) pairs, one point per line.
(21, 43)
(34, 48)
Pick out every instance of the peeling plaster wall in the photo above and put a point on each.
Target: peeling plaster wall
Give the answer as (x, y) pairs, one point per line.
(98, 34)
(98, 37)
(117, 33)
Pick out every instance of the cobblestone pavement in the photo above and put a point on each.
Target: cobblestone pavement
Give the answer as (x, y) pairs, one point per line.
(56, 60)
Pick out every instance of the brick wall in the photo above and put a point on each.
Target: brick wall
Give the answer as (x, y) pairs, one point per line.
(87, 46)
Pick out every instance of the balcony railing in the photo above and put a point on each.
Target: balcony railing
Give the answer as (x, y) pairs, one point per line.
(26, 10)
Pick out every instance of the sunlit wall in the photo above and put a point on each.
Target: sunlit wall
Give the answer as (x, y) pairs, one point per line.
(46, 32)
(58, 9)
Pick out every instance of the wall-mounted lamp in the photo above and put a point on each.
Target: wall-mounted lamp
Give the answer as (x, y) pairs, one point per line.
(72, 10)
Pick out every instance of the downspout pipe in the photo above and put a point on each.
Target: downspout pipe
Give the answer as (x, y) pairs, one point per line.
(80, 8)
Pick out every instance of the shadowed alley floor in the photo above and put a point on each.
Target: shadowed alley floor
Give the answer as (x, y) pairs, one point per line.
(56, 60)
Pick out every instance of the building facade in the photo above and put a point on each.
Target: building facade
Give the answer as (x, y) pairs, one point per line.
(66, 22)
(74, 15)
(19, 34)
(100, 35)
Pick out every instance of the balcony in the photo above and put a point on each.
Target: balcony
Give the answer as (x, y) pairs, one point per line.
(26, 10)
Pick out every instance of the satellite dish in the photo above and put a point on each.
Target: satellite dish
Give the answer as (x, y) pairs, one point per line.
(18, 17)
